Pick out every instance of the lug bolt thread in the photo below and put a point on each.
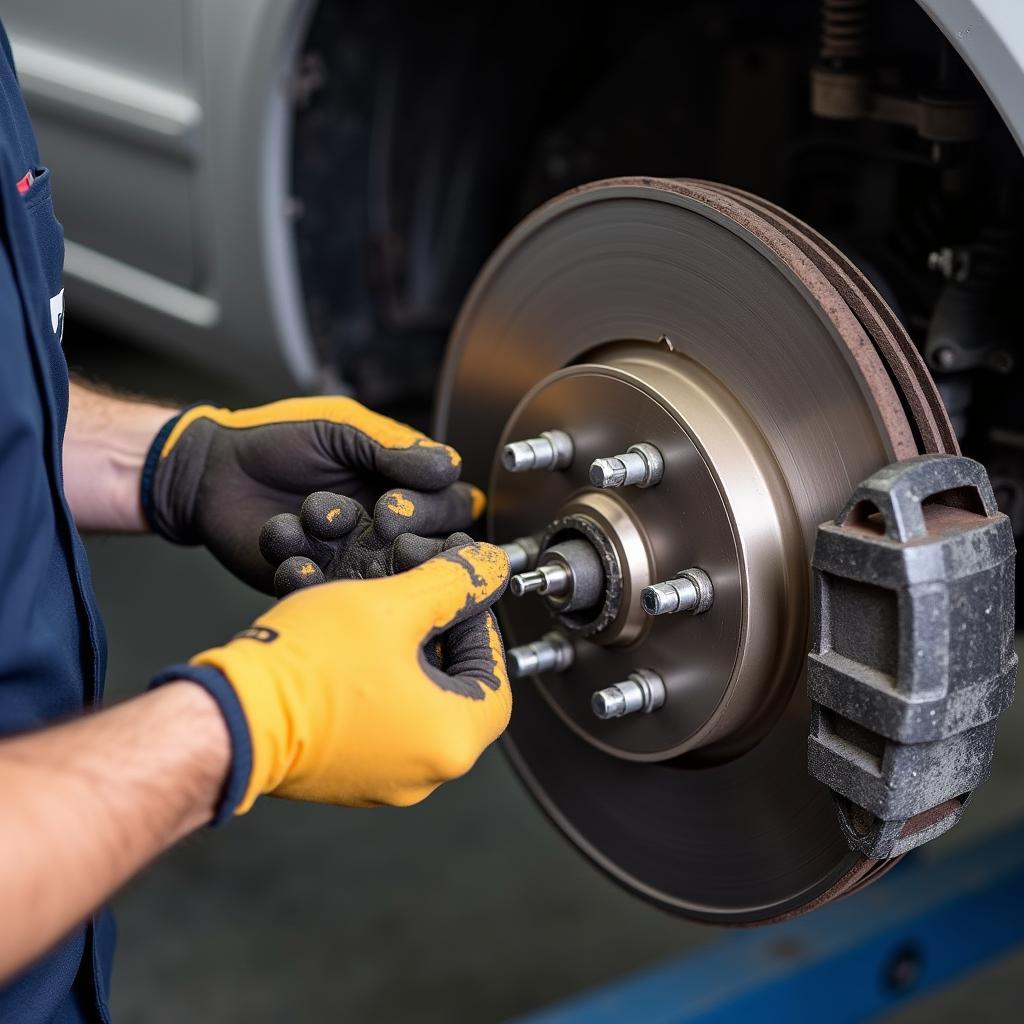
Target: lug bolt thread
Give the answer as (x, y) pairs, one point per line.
(552, 653)
(669, 597)
(643, 690)
(641, 465)
(691, 591)
(552, 450)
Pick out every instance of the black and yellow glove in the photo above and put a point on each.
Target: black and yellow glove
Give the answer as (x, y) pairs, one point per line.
(333, 538)
(215, 476)
(329, 695)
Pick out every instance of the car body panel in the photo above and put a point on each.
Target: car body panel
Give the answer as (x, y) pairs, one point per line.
(167, 128)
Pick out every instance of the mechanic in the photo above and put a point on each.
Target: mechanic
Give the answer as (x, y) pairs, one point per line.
(328, 696)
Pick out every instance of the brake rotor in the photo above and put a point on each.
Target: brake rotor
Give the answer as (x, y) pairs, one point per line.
(773, 379)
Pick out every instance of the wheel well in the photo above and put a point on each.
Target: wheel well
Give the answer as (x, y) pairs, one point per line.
(424, 133)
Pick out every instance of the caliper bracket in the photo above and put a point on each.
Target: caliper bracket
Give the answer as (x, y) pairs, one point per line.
(912, 656)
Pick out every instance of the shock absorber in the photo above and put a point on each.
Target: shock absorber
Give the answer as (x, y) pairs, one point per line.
(840, 89)
(844, 33)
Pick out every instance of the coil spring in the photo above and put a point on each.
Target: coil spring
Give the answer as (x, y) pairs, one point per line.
(844, 30)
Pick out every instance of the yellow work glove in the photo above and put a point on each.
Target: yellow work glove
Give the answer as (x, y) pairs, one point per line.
(214, 476)
(330, 695)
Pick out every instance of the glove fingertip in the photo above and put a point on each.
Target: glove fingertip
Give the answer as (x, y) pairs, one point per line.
(427, 465)
(457, 596)
(490, 564)
(282, 536)
(328, 516)
(295, 573)
(397, 511)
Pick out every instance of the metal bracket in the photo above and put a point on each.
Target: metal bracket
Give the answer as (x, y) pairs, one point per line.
(912, 658)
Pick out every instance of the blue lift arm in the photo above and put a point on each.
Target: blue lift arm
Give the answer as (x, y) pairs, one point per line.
(931, 920)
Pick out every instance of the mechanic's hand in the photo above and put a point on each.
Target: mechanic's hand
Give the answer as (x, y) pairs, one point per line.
(330, 696)
(332, 537)
(215, 476)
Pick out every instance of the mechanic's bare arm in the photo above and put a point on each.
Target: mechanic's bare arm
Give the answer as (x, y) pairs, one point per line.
(105, 446)
(86, 805)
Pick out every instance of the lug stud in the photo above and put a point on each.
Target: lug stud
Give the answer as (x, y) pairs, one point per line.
(691, 591)
(642, 690)
(551, 653)
(641, 465)
(553, 449)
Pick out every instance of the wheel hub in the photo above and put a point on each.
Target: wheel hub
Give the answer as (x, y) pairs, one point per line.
(720, 506)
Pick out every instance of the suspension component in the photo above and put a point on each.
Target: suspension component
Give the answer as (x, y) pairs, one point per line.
(553, 652)
(691, 591)
(842, 88)
(552, 450)
(641, 465)
(844, 32)
(642, 690)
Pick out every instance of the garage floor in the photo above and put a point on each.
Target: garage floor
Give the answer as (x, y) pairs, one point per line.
(469, 907)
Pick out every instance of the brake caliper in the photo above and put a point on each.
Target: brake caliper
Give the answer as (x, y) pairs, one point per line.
(912, 657)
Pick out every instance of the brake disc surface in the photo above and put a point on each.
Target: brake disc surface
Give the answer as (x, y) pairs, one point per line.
(775, 379)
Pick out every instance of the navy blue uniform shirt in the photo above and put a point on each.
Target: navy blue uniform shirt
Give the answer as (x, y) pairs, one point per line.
(52, 651)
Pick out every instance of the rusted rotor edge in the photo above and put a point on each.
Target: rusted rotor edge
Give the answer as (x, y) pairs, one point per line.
(872, 368)
(894, 345)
